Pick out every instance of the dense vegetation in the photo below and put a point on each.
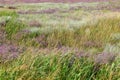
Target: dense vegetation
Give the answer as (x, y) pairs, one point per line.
(63, 51)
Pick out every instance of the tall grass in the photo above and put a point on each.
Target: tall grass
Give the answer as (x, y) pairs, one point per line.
(13, 26)
(50, 56)
(56, 67)
(8, 13)
(98, 34)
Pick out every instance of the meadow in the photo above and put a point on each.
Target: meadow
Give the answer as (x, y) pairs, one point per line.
(60, 41)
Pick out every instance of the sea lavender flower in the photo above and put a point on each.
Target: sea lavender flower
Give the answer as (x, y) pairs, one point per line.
(8, 52)
(104, 58)
(50, 11)
(3, 49)
(34, 23)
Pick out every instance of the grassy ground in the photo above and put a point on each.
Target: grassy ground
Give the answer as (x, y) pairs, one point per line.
(60, 42)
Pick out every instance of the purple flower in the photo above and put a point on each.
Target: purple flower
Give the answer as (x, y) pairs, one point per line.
(104, 58)
(8, 52)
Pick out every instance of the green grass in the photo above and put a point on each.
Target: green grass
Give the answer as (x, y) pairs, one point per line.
(42, 59)
(7, 13)
(13, 26)
(56, 67)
